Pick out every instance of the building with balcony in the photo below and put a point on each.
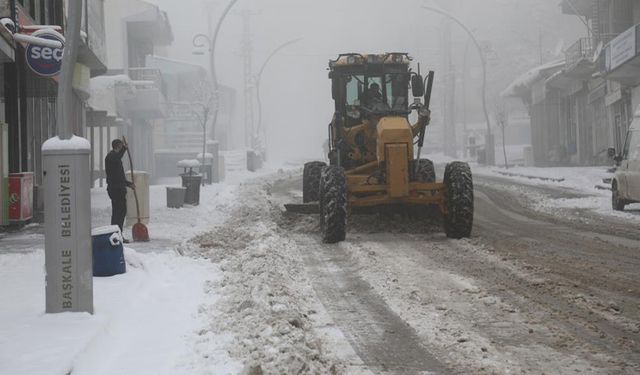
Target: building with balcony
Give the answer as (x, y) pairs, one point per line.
(590, 97)
(188, 88)
(613, 33)
(131, 99)
(29, 100)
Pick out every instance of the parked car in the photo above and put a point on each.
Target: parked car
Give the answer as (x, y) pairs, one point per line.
(625, 186)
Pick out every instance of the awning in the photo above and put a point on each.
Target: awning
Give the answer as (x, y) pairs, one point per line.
(521, 86)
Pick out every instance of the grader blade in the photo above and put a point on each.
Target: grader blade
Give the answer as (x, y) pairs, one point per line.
(304, 208)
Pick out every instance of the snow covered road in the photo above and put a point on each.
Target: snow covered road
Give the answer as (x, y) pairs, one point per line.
(531, 292)
(537, 289)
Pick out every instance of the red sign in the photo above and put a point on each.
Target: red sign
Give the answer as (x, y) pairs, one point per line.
(20, 196)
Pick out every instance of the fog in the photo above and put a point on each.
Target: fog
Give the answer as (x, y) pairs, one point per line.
(297, 106)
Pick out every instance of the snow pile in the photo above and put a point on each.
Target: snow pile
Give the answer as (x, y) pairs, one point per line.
(72, 144)
(579, 188)
(266, 300)
(207, 155)
(190, 163)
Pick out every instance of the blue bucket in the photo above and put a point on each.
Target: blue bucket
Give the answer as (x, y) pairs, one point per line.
(108, 252)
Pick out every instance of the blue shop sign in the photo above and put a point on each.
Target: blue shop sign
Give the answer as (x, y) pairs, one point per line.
(45, 61)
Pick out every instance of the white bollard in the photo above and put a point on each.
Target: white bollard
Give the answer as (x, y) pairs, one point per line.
(67, 221)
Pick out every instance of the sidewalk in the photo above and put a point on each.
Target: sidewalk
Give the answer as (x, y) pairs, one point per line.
(146, 321)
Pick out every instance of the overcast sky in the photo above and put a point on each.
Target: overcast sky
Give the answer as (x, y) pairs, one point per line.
(295, 85)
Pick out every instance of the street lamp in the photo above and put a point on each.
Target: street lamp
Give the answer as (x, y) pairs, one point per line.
(258, 79)
(211, 41)
(206, 107)
(489, 141)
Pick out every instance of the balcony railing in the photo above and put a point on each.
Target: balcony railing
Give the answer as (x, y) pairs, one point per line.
(148, 78)
(581, 49)
(604, 38)
(584, 48)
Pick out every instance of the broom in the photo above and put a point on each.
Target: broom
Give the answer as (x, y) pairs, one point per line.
(139, 232)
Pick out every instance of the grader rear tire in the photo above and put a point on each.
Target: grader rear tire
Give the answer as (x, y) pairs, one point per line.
(458, 221)
(311, 181)
(425, 172)
(333, 204)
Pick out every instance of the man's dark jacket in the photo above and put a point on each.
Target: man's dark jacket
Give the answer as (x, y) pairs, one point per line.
(114, 170)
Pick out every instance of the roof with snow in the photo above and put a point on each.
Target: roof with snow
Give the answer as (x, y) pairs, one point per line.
(103, 92)
(521, 86)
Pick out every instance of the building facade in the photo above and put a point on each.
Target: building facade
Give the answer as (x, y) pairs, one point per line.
(585, 104)
(189, 90)
(130, 100)
(28, 104)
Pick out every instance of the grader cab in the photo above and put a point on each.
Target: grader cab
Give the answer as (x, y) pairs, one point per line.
(374, 151)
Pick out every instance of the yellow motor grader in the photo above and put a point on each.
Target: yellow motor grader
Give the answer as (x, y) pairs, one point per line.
(374, 151)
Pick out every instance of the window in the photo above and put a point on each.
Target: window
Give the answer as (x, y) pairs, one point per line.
(355, 86)
(382, 93)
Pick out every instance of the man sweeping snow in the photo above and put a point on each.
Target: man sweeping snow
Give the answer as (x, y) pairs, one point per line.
(117, 183)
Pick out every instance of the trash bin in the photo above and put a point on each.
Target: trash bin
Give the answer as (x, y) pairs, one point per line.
(108, 252)
(482, 156)
(254, 161)
(141, 180)
(20, 197)
(191, 181)
(218, 172)
(206, 169)
(175, 196)
(528, 156)
(4, 174)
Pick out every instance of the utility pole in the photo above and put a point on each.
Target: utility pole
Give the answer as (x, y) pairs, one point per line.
(465, 76)
(260, 129)
(251, 139)
(489, 139)
(449, 131)
(211, 40)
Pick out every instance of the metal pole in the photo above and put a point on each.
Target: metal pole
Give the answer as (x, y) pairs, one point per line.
(465, 75)
(66, 158)
(259, 78)
(214, 76)
(205, 114)
(70, 56)
(484, 68)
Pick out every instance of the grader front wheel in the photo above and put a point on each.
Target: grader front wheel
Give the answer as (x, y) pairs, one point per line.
(311, 181)
(458, 220)
(333, 204)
